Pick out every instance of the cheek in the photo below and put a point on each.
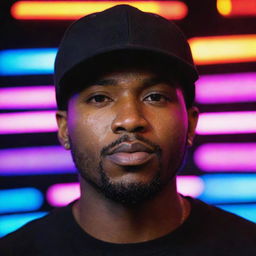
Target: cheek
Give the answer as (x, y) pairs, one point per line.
(88, 131)
(171, 125)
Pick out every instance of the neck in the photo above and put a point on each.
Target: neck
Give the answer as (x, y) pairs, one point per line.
(113, 222)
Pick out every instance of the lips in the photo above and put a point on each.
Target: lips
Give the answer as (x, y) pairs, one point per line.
(131, 154)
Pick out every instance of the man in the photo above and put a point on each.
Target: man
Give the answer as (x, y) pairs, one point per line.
(125, 90)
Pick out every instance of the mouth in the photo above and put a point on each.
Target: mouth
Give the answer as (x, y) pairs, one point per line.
(131, 154)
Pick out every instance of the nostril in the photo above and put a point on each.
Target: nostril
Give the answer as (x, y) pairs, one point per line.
(139, 129)
(119, 129)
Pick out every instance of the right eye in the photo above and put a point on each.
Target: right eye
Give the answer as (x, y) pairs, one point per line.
(99, 99)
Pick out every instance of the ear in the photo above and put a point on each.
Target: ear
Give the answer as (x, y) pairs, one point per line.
(193, 114)
(61, 117)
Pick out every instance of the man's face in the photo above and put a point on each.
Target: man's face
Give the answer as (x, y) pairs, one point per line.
(128, 132)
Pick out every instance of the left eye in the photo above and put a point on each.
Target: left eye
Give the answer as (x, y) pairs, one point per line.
(156, 97)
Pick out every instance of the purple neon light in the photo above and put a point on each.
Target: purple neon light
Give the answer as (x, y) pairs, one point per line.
(35, 160)
(27, 97)
(62, 194)
(226, 88)
(227, 123)
(28, 122)
(229, 157)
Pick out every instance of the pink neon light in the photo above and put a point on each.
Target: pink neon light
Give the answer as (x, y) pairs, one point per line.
(190, 185)
(226, 88)
(209, 123)
(218, 157)
(27, 97)
(227, 123)
(62, 194)
(26, 122)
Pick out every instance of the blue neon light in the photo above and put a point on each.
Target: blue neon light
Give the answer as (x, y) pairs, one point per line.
(229, 188)
(20, 199)
(247, 211)
(27, 61)
(10, 223)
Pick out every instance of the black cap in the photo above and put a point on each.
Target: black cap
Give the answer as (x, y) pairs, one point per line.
(119, 28)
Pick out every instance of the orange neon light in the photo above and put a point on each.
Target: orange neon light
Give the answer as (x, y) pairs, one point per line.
(70, 10)
(233, 8)
(223, 49)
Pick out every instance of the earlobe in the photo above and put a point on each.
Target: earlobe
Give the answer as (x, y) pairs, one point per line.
(193, 114)
(61, 117)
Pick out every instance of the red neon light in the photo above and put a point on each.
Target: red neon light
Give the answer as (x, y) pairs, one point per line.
(71, 10)
(234, 8)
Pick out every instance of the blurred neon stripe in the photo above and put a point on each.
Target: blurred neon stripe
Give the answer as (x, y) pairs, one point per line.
(28, 122)
(235, 8)
(35, 160)
(64, 193)
(210, 89)
(226, 88)
(20, 200)
(223, 49)
(226, 157)
(229, 188)
(70, 10)
(10, 223)
(206, 50)
(209, 123)
(30, 97)
(36, 61)
(247, 211)
(227, 122)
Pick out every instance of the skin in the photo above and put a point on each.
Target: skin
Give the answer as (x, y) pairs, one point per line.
(133, 103)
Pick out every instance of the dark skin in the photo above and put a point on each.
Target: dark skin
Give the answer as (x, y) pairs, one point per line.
(129, 102)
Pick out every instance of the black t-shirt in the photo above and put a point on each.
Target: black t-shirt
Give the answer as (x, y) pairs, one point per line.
(207, 231)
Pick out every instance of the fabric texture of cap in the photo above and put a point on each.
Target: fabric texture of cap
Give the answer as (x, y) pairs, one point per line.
(121, 27)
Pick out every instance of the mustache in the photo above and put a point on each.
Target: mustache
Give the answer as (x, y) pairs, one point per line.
(126, 138)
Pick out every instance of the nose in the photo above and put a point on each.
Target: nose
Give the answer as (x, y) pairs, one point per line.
(129, 118)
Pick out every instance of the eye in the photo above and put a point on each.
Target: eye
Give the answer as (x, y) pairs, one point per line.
(99, 99)
(156, 97)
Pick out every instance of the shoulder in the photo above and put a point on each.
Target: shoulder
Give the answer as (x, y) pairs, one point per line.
(35, 234)
(223, 230)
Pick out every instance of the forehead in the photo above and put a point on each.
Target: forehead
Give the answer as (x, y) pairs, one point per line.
(145, 76)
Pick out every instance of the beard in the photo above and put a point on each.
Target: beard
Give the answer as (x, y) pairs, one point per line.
(129, 194)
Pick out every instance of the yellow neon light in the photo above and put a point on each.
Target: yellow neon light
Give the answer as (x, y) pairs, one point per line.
(69, 10)
(223, 49)
(224, 7)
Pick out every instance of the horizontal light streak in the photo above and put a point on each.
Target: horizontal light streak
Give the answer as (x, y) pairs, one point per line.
(229, 188)
(30, 97)
(35, 160)
(10, 223)
(64, 193)
(235, 8)
(227, 122)
(28, 122)
(70, 10)
(226, 88)
(210, 89)
(226, 157)
(223, 49)
(20, 200)
(209, 123)
(36, 61)
(205, 50)
(247, 211)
